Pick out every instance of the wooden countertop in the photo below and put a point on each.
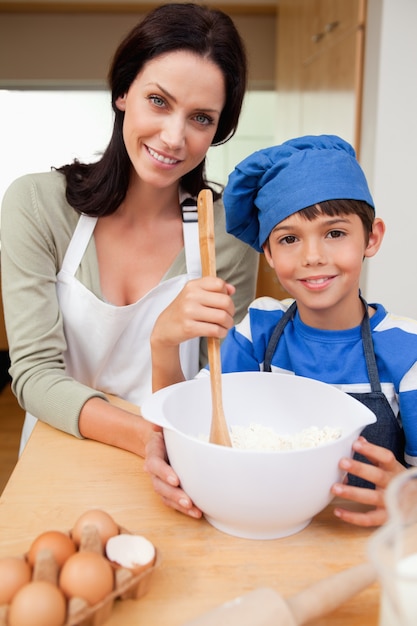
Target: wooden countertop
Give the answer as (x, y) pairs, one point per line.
(58, 477)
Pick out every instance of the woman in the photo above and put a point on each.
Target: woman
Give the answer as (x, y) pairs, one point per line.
(93, 253)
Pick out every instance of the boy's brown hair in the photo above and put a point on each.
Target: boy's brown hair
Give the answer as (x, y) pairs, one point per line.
(360, 208)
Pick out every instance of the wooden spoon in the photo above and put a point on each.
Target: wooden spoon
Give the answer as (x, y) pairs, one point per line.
(219, 432)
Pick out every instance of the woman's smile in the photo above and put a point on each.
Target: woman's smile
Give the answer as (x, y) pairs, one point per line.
(161, 158)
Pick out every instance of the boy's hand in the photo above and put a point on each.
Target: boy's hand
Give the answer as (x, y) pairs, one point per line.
(384, 467)
(164, 479)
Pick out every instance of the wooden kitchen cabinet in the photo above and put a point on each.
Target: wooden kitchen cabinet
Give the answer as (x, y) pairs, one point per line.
(320, 67)
(329, 31)
(320, 46)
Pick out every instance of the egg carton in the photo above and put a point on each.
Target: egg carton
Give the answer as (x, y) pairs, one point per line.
(128, 584)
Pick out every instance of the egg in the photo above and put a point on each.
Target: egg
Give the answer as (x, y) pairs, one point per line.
(87, 575)
(60, 544)
(14, 573)
(38, 603)
(102, 521)
(131, 551)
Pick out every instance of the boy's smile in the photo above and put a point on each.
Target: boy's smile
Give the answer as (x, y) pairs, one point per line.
(319, 263)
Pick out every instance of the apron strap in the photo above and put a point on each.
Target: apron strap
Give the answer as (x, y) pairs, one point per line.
(78, 244)
(276, 334)
(367, 343)
(368, 348)
(85, 228)
(191, 236)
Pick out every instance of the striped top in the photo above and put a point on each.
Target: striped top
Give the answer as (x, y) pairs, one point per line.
(335, 357)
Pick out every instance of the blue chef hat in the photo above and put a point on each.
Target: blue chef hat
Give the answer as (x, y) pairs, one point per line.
(273, 183)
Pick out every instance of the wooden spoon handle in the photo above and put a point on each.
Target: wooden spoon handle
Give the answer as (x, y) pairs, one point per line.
(219, 431)
(206, 232)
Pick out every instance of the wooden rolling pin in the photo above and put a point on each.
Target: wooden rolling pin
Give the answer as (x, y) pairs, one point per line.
(266, 607)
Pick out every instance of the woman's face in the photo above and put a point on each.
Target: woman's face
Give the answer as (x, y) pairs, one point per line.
(172, 110)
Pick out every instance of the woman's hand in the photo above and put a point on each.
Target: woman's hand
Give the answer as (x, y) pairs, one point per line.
(384, 467)
(203, 308)
(164, 479)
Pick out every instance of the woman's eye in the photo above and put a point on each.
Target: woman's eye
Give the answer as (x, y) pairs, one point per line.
(203, 119)
(157, 101)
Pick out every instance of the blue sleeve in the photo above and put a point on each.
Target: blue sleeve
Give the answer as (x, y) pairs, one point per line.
(408, 411)
(237, 354)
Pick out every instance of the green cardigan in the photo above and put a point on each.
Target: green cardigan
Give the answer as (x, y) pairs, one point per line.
(37, 224)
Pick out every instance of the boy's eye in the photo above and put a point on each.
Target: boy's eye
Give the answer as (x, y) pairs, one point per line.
(334, 234)
(288, 239)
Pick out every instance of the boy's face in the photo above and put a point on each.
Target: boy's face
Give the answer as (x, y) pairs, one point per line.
(319, 263)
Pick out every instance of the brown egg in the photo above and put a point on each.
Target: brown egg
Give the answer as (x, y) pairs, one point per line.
(102, 521)
(60, 544)
(14, 573)
(38, 603)
(87, 575)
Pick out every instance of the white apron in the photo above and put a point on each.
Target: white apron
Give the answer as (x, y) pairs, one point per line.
(108, 346)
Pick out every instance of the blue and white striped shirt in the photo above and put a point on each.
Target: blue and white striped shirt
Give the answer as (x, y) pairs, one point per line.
(333, 356)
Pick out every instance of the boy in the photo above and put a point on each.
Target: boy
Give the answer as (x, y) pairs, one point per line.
(306, 205)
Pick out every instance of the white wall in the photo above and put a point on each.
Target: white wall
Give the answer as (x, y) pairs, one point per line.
(389, 150)
(256, 130)
(44, 129)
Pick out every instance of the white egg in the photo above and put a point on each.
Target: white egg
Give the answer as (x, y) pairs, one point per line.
(130, 551)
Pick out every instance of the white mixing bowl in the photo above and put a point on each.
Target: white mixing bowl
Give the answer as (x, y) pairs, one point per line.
(251, 493)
